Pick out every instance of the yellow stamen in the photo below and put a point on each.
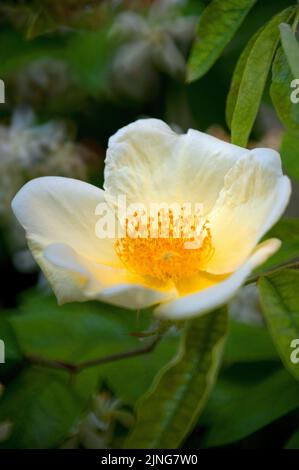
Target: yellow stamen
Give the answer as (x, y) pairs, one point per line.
(179, 255)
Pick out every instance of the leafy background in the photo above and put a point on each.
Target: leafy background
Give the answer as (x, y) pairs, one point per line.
(75, 72)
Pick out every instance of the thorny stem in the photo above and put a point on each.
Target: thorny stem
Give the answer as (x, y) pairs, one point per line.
(293, 264)
(76, 368)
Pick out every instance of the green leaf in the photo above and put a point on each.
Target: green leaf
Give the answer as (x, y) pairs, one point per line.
(237, 78)
(279, 295)
(77, 332)
(34, 401)
(42, 407)
(280, 91)
(291, 48)
(17, 53)
(255, 408)
(289, 152)
(293, 442)
(168, 411)
(233, 382)
(286, 230)
(217, 26)
(73, 332)
(255, 72)
(13, 355)
(248, 343)
(134, 376)
(88, 54)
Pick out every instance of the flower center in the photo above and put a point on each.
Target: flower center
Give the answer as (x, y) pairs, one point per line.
(166, 249)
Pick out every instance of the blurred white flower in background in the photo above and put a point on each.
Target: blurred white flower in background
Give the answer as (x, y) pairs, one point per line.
(5, 426)
(24, 143)
(96, 429)
(156, 42)
(44, 78)
(245, 306)
(28, 150)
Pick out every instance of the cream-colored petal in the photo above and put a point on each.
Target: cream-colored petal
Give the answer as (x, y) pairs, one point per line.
(135, 296)
(204, 164)
(63, 210)
(135, 159)
(254, 196)
(74, 277)
(212, 297)
(148, 162)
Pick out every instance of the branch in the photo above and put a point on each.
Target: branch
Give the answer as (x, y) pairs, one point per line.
(76, 368)
(293, 264)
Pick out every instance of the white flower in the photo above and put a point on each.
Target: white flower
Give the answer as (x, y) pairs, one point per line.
(42, 79)
(28, 150)
(242, 193)
(24, 142)
(245, 307)
(157, 41)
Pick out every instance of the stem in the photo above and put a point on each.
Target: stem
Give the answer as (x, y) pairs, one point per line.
(294, 26)
(76, 368)
(293, 264)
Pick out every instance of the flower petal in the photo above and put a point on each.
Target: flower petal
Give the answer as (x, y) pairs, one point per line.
(62, 210)
(212, 297)
(148, 162)
(75, 278)
(254, 196)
